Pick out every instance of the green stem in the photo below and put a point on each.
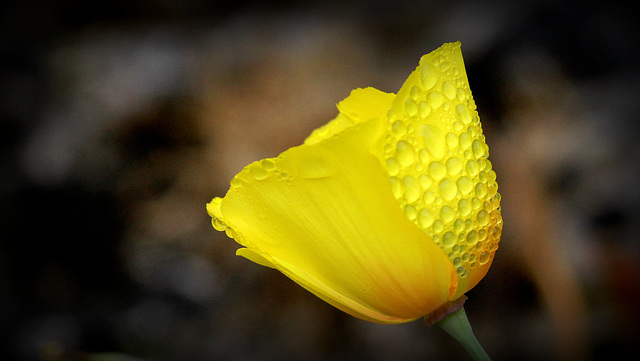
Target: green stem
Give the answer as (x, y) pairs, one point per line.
(457, 325)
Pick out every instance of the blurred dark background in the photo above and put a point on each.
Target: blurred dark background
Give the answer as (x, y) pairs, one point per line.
(121, 119)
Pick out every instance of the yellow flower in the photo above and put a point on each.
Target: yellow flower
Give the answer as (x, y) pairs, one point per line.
(387, 212)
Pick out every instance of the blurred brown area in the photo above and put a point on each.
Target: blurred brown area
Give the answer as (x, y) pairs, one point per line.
(120, 120)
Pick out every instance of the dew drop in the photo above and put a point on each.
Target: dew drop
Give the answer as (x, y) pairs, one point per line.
(472, 168)
(429, 76)
(411, 107)
(448, 189)
(415, 92)
(447, 214)
(472, 237)
(425, 218)
(435, 99)
(484, 258)
(437, 170)
(425, 181)
(258, 172)
(482, 218)
(454, 166)
(268, 164)
(405, 153)
(457, 262)
(464, 207)
(465, 140)
(433, 140)
(465, 185)
(428, 197)
(438, 226)
(458, 225)
(411, 189)
(462, 273)
(461, 94)
(448, 239)
(478, 149)
(462, 113)
(424, 109)
(393, 167)
(475, 203)
(218, 224)
(452, 140)
(410, 212)
(481, 190)
(496, 233)
(398, 128)
(396, 187)
(449, 90)
(424, 156)
(235, 183)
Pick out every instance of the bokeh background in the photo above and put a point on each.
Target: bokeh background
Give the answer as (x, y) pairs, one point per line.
(121, 119)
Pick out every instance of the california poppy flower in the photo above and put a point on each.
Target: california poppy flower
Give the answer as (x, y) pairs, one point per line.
(389, 211)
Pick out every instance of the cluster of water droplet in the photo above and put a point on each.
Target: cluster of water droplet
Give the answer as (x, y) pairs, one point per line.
(436, 159)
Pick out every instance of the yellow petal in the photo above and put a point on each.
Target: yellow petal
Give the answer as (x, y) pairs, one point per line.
(324, 215)
(436, 159)
(361, 105)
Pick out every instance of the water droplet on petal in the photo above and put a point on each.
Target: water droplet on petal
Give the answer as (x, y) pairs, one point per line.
(448, 189)
(464, 207)
(449, 90)
(435, 99)
(484, 258)
(473, 168)
(461, 94)
(429, 76)
(258, 172)
(433, 140)
(415, 92)
(410, 212)
(235, 183)
(425, 181)
(396, 187)
(268, 164)
(411, 107)
(437, 170)
(398, 128)
(472, 237)
(465, 185)
(448, 239)
(393, 167)
(481, 190)
(454, 166)
(452, 140)
(478, 149)
(405, 153)
(424, 109)
(447, 213)
(465, 140)
(411, 189)
(462, 113)
(482, 218)
(425, 218)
